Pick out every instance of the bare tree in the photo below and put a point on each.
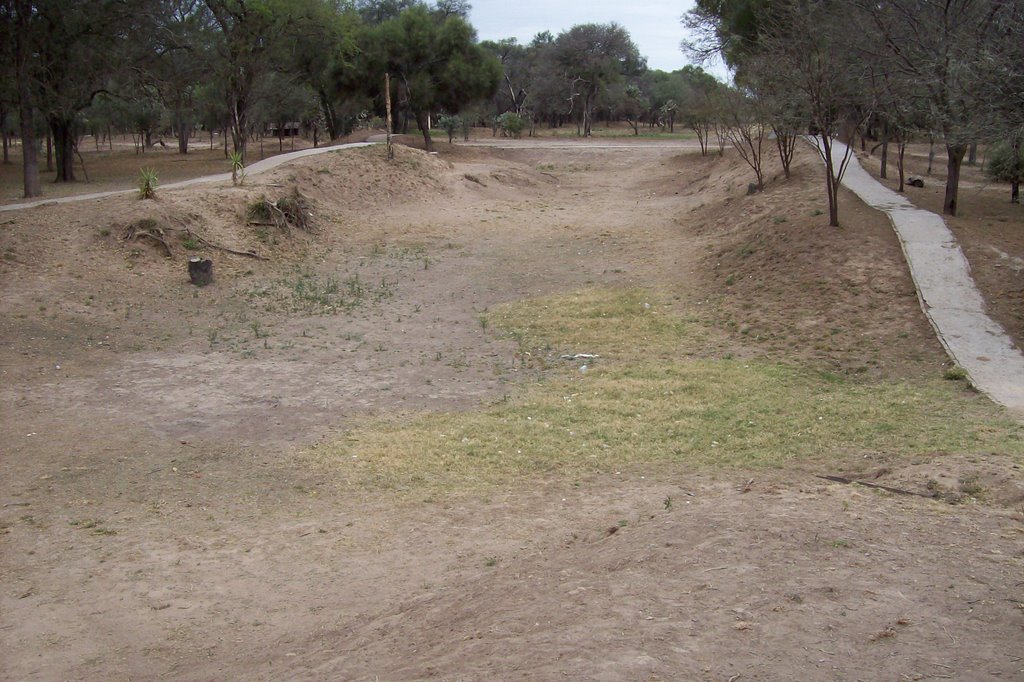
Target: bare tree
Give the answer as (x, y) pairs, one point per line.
(936, 53)
(244, 30)
(700, 109)
(745, 127)
(802, 58)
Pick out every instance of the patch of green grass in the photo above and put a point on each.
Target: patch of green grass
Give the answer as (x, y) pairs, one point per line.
(615, 324)
(645, 403)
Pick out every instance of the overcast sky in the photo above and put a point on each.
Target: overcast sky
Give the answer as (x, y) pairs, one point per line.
(653, 24)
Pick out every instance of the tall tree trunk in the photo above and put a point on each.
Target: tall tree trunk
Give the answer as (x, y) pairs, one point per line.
(64, 146)
(3, 131)
(955, 154)
(330, 117)
(49, 149)
(972, 154)
(1015, 184)
(901, 150)
(931, 153)
(22, 59)
(423, 123)
(831, 185)
(883, 170)
(239, 128)
(588, 112)
(183, 126)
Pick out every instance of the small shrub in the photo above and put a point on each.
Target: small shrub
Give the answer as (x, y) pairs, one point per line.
(147, 183)
(1005, 166)
(450, 124)
(955, 373)
(237, 168)
(511, 124)
(970, 485)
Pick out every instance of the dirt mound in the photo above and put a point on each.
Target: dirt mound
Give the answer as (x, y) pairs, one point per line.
(790, 284)
(359, 179)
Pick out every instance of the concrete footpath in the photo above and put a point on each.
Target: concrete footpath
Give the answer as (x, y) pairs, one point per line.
(255, 169)
(948, 296)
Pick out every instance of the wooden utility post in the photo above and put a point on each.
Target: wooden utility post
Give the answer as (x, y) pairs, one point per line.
(387, 106)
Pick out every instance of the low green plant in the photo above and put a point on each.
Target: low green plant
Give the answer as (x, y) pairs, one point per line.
(1006, 164)
(450, 124)
(955, 373)
(147, 183)
(970, 485)
(237, 168)
(512, 124)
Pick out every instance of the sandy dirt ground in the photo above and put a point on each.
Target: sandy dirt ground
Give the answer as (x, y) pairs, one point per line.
(160, 521)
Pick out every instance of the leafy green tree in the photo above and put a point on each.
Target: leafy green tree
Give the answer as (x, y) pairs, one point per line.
(667, 93)
(320, 49)
(628, 102)
(379, 11)
(725, 28)
(550, 94)
(701, 111)
(172, 59)
(65, 53)
(280, 101)
(244, 37)
(592, 57)
(8, 78)
(434, 61)
(515, 59)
